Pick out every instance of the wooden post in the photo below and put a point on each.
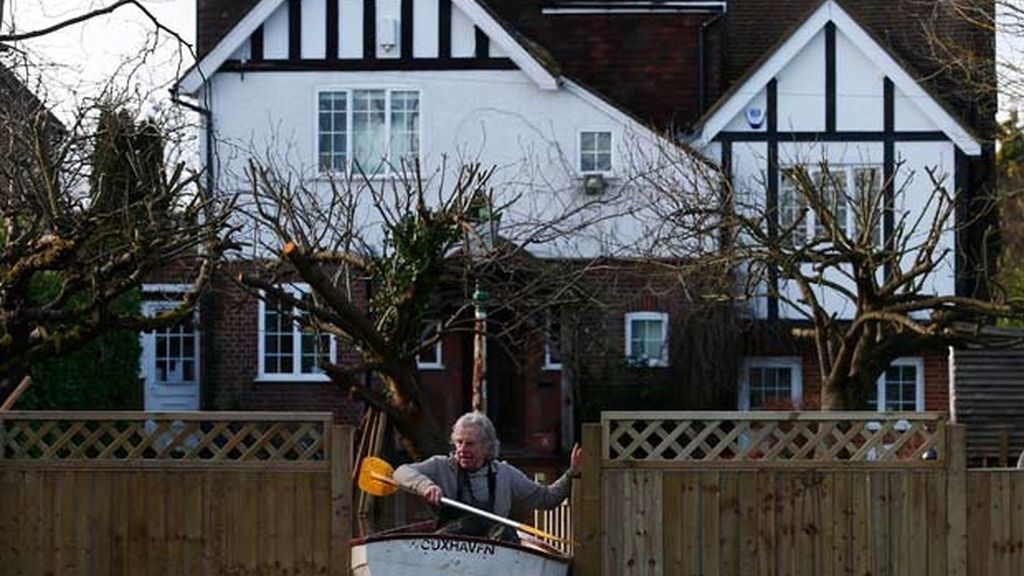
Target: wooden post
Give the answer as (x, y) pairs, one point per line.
(1004, 448)
(587, 505)
(341, 500)
(956, 500)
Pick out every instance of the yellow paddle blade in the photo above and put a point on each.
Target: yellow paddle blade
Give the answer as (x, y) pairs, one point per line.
(375, 477)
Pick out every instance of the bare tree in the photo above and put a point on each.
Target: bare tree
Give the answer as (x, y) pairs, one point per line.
(424, 246)
(79, 233)
(862, 292)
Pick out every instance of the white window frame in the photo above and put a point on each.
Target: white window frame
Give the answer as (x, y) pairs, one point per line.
(810, 223)
(648, 316)
(296, 289)
(794, 363)
(431, 327)
(157, 298)
(550, 364)
(389, 166)
(880, 387)
(611, 151)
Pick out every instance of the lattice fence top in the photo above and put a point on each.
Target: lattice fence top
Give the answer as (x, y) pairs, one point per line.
(201, 437)
(774, 438)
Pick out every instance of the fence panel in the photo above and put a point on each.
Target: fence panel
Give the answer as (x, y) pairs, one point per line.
(995, 515)
(189, 494)
(772, 494)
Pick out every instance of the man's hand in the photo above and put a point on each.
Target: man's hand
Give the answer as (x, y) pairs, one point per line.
(433, 495)
(576, 460)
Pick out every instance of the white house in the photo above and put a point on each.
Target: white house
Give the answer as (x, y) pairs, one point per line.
(574, 101)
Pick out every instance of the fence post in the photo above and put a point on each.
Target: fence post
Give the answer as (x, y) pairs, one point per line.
(956, 500)
(587, 505)
(341, 500)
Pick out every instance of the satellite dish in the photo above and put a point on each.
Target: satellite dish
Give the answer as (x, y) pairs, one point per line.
(755, 116)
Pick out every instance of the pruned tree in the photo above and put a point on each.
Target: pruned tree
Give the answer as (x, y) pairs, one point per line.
(857, 271)
(422, 246)
(89, 212)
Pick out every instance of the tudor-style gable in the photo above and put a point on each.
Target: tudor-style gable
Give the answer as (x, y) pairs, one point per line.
(835, 78)
(361, 35)
(830, 92)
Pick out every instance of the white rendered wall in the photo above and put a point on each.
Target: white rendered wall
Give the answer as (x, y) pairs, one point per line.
(350, 29)
(389, 18)
(498, 118)
(425, 27)
(801, 89)
(913, 189)
(463, 34)
(275, 34)
(860, 88)
(314, 12)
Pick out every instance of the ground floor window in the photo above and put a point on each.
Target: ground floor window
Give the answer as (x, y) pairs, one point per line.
(900, 388)
(770, 383)
(647, 338)
(289, 348)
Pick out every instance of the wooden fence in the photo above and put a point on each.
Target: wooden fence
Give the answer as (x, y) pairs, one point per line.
(189, 494)
(802, 494)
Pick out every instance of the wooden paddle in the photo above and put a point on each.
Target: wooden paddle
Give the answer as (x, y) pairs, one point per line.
(376, 477)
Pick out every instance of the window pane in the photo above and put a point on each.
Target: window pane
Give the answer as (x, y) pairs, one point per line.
(333, 130)
(588, 162)
(405, 127)
(900, 388)
(906, 389)
(771, 387)
(646, 339)
(368, 137)
(831, 186)
(595, 151)
(588, 141)
(313, 347)
(431, 355)
(792, 210)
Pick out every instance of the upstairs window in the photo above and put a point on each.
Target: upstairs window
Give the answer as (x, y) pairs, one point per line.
(288, 348)
(372, 131)
(647, 338)
(595, 152)
(850, 193)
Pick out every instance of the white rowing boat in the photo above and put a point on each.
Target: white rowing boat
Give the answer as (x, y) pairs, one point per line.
(416, 550)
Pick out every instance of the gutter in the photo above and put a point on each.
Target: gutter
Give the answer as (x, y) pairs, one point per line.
(207, 115)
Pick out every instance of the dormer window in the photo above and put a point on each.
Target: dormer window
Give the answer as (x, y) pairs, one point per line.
(595, 152)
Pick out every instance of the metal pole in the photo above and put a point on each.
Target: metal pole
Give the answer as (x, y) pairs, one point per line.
(480, 350)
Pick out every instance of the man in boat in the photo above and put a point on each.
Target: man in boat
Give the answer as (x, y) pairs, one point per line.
(473, 474)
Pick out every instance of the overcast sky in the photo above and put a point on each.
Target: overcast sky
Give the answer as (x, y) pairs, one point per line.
(83, 57)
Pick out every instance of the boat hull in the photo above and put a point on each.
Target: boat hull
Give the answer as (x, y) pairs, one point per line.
(430, 554)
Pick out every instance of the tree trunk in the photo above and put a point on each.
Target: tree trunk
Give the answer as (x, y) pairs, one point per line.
(417, 425)
(842, 394)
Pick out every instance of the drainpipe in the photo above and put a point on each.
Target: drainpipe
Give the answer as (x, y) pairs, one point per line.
(701, 80)
(205, 299)
(207, 116)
